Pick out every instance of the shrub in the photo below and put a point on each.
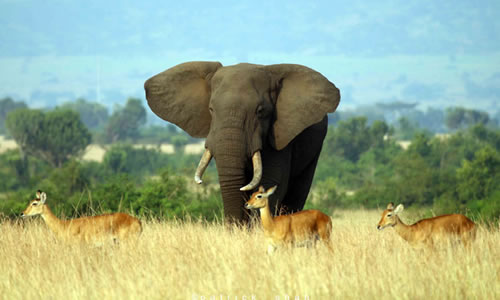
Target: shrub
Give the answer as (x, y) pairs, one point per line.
(169, 197)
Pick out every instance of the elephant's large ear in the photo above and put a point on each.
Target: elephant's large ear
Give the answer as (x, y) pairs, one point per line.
(304, 98)
(181, 95)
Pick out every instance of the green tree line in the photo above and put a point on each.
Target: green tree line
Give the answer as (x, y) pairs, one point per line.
(50, 146)
(363, 163)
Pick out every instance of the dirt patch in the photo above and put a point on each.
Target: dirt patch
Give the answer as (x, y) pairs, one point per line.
(195, 148)
(96, 152)
(164, 148)
(7, 144)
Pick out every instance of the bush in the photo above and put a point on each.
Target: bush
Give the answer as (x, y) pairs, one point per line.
(64, 188)
(139, 162)
(13, 203)
(123, 158)
(325, 196)
(169, 197)
(118, 193)
(16, 173)
(372, 196)
(479, 177)
(489, 207)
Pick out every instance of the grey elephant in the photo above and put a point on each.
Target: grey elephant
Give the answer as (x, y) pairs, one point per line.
(263, 124)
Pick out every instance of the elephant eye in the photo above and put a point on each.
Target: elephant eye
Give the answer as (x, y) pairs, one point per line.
(261, 111)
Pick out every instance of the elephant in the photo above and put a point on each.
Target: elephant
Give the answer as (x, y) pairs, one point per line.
(262, 123)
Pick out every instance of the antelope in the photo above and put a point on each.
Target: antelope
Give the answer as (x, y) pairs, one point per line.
(113, 227)
(296, 228)
(431, 230)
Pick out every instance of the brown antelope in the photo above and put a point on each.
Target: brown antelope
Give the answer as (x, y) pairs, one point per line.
(429, 231)
(113, 227)
(296, 228)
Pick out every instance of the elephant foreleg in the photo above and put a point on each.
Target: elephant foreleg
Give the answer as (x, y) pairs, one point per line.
(299, 187)
(306, 149)
(276, 172)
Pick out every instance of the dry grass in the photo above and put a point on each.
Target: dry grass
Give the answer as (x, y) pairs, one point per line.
(190, 260)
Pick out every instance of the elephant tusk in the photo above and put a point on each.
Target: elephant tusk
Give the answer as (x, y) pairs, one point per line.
(204, 161)
(257, 172)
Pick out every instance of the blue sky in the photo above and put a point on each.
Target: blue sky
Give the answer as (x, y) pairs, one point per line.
(435, 53)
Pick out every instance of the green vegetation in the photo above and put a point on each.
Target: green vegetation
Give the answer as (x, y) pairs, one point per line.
(88, 188)
(93, 115)
(138, 180)
(124, 123)
(460, 118)
(7, 105)
(362, 163)
(459, 173)
(54, 136)
(168, 134)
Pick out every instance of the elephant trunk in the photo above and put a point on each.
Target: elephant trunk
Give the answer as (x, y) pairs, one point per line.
(231, 156)
(231, 178)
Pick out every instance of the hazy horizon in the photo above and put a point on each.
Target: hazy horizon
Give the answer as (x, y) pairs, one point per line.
(438, 54)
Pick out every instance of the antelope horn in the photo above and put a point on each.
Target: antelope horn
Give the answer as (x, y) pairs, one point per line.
(204, 161)
(257, 172)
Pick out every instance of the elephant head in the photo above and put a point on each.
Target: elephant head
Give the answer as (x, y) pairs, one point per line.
(241, 110)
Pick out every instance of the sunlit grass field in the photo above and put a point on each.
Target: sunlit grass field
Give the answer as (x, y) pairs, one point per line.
(195, 260)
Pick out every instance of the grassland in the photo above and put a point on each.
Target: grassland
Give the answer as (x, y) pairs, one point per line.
(192, 260)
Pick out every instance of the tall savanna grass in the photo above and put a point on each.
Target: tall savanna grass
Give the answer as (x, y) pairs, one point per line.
(195, 260)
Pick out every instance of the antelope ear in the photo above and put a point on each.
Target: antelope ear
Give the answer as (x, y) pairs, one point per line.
(390, 205)
(271, 190)
(181, 95)
(304, 98)
(38, 194)
(399, 209)
(43, 197)
(261, 189)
